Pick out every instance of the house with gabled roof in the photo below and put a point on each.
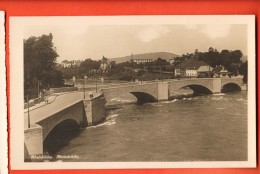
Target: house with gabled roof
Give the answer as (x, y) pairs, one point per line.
(193, 68)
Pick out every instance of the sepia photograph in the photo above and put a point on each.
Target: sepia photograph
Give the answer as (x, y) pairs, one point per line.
(132, 92)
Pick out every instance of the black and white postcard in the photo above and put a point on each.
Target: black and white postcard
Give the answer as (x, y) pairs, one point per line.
(107, 92)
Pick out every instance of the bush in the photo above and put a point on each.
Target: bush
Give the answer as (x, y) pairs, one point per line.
(126, 77)
(140, 73)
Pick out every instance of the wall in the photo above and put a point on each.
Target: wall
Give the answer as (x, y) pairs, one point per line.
(33, 141)
(95, 109)
(63, 89)
(32, 102)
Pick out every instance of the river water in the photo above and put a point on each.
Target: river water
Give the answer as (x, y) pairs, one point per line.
(201, 128)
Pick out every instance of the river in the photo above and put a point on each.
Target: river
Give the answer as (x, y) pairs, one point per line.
(201, 128)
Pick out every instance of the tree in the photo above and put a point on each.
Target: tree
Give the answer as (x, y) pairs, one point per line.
(211, 57)
(234, 68)
(140, 73)
(40, 64)
(69, 72)
(236, 56)
(231, 60)
(159, 62)
(225, 58)
(178, 60)
(88, 65)
(196, 54)
(243, 70)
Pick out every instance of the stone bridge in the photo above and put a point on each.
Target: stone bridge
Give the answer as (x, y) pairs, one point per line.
(230, 84)
(143, 92)
(73, 110)
(68, 111)
(162, 90)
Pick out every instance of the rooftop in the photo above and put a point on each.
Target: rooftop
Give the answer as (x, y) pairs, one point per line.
(191, 64)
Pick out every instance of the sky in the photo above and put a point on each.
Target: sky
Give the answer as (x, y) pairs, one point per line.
(79, 42)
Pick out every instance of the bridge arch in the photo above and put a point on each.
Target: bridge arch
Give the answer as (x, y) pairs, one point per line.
(199, 89)
(143, 97)
(75, 112)
(228, 87)
(60, 135)
(198, 86)
(143, 93)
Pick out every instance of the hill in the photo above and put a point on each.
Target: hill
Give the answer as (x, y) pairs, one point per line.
(164, 55)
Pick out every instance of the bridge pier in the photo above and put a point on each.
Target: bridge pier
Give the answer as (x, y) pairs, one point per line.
(95, 109)
(216, 85)
(33, 141)
(163, 91)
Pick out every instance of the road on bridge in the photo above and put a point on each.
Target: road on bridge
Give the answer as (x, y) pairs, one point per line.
(60, 102)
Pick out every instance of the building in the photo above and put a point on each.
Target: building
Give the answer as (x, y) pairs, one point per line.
(139, 61)
(193, 68)
(76, 63)
(65, 64)
(220, 71)
(105, 65)
(72, 63)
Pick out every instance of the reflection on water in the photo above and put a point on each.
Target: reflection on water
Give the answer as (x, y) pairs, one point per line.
(204, 128)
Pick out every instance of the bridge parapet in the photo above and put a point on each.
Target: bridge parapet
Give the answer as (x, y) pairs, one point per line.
(102, 86)
(236, 80)
(113, 92)
(33, 141)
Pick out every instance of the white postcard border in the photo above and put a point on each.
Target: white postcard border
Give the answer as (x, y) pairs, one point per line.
(17, 26)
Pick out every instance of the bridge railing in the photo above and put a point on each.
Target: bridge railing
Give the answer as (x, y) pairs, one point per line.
(93, 87)
(140, 83)
(131, 84)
